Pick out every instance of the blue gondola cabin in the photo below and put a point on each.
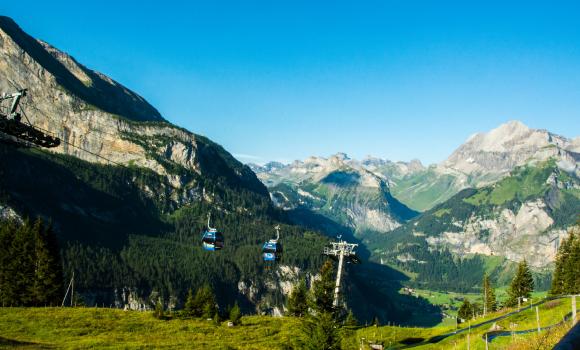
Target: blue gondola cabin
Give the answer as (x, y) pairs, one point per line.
(212, 240)
(272, 251)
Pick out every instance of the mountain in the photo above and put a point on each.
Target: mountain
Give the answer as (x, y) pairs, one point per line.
(483, 159)
(338, 188)
(504, 195)
(522, 216)
(128, 193)
(91, 112)
(486, 157)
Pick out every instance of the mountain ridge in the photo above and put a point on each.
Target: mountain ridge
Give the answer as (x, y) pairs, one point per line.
(484, 158)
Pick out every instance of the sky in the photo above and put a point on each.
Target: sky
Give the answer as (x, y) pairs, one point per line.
(284, 80)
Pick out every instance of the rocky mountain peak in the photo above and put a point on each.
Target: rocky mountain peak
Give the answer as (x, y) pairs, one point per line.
(490, 155)
(340, 156)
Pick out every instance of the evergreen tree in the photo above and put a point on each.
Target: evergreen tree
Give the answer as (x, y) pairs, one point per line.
(204, 304)
(319, 332)
(565, 279)
(298, 300)
(571, 265)
(465, 310)
(159, 310)
(48, 279)
(189, 307)
(8, 264)
(235, 314)
(489, 300)
(522, 284)
(323, 289)
(350, 320)
(558, 282)
(30, 265)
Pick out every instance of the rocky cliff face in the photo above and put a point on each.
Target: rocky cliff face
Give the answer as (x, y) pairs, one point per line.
(101, 121)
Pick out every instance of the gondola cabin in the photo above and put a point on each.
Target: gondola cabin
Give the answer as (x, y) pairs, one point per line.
(272, 251)
(212, 240)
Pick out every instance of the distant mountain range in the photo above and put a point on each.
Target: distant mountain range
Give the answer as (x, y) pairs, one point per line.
(510, 194)
(483, 159)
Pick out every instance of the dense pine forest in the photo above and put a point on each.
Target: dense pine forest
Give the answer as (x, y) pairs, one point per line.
(114, 235)
(30, 264)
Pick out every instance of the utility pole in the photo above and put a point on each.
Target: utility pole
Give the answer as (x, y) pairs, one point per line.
(72, 290)
(341, 249)
(484, 295)
(71, 287)
(468, 337)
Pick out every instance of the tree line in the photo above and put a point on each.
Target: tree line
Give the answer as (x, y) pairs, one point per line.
(30, 264)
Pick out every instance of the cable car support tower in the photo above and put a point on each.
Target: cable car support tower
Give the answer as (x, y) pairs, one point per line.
(342, 250)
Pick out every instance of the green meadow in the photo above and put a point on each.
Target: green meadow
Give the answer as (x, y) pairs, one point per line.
(98, 328)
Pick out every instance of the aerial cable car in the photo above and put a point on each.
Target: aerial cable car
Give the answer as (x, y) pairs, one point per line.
(272, 250)
(11, 124)
(212, 239)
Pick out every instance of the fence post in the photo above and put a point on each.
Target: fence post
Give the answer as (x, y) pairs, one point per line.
(538, 319)
(573, 310)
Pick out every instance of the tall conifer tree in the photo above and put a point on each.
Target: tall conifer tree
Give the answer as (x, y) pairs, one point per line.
(522, 285)
(489, 300)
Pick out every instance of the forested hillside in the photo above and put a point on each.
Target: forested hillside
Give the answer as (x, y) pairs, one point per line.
(115, 236)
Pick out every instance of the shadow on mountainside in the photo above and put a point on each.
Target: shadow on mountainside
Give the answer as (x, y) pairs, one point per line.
(85, 205)
(371, 289)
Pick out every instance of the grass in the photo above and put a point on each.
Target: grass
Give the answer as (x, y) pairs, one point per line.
(92, 328)
(550, 313)
(85, 328)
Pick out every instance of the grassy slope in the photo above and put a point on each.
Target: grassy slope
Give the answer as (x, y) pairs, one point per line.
(109, 329)
(33, 328)
(423, 190)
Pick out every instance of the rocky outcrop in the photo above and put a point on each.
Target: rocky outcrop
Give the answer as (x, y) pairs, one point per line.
(523, 234)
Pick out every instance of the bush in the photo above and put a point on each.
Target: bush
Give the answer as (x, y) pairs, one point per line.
(235, 314)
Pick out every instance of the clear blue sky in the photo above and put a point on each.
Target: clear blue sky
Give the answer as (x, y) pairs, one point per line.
(283, 80)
